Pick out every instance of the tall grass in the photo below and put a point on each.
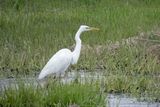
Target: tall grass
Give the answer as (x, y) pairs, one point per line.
(32, 31)
(57, 95)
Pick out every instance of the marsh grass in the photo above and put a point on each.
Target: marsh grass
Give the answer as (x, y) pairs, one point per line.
(32, 31)
(131, 70)
(144, 88)
(56, 95)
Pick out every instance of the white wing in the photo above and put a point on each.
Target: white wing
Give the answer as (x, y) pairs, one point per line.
(57, 64)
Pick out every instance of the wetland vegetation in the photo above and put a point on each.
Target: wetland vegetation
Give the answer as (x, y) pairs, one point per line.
(32, 31)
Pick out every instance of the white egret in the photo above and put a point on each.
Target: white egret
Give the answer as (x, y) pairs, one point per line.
(59, 62)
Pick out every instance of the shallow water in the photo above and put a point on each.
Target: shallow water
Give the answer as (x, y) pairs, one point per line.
(122, 100)
(81, 77)
(113, 100)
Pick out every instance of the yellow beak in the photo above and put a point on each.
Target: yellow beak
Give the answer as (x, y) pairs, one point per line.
(93, 28)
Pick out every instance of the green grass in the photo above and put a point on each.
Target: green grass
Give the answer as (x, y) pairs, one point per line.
(56, 95)
(143, 88)
(32, 31)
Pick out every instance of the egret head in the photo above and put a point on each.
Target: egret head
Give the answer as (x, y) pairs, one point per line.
(87, 28)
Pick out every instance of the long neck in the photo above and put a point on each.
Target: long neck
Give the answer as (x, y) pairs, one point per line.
(77, 49)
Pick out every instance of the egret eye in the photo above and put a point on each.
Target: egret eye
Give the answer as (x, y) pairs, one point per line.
(88, 28)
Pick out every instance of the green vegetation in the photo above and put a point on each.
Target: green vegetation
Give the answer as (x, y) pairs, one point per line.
(130, 70)
(56, 95)
(32, 31)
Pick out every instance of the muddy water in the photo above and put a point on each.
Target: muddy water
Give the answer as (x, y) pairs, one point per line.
(112, 100)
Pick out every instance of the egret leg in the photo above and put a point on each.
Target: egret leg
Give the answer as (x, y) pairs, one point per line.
(42, 83)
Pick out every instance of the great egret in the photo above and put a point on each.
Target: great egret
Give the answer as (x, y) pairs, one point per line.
(59, 62)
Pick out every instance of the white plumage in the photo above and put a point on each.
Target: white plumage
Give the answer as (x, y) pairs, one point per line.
(59, 62)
